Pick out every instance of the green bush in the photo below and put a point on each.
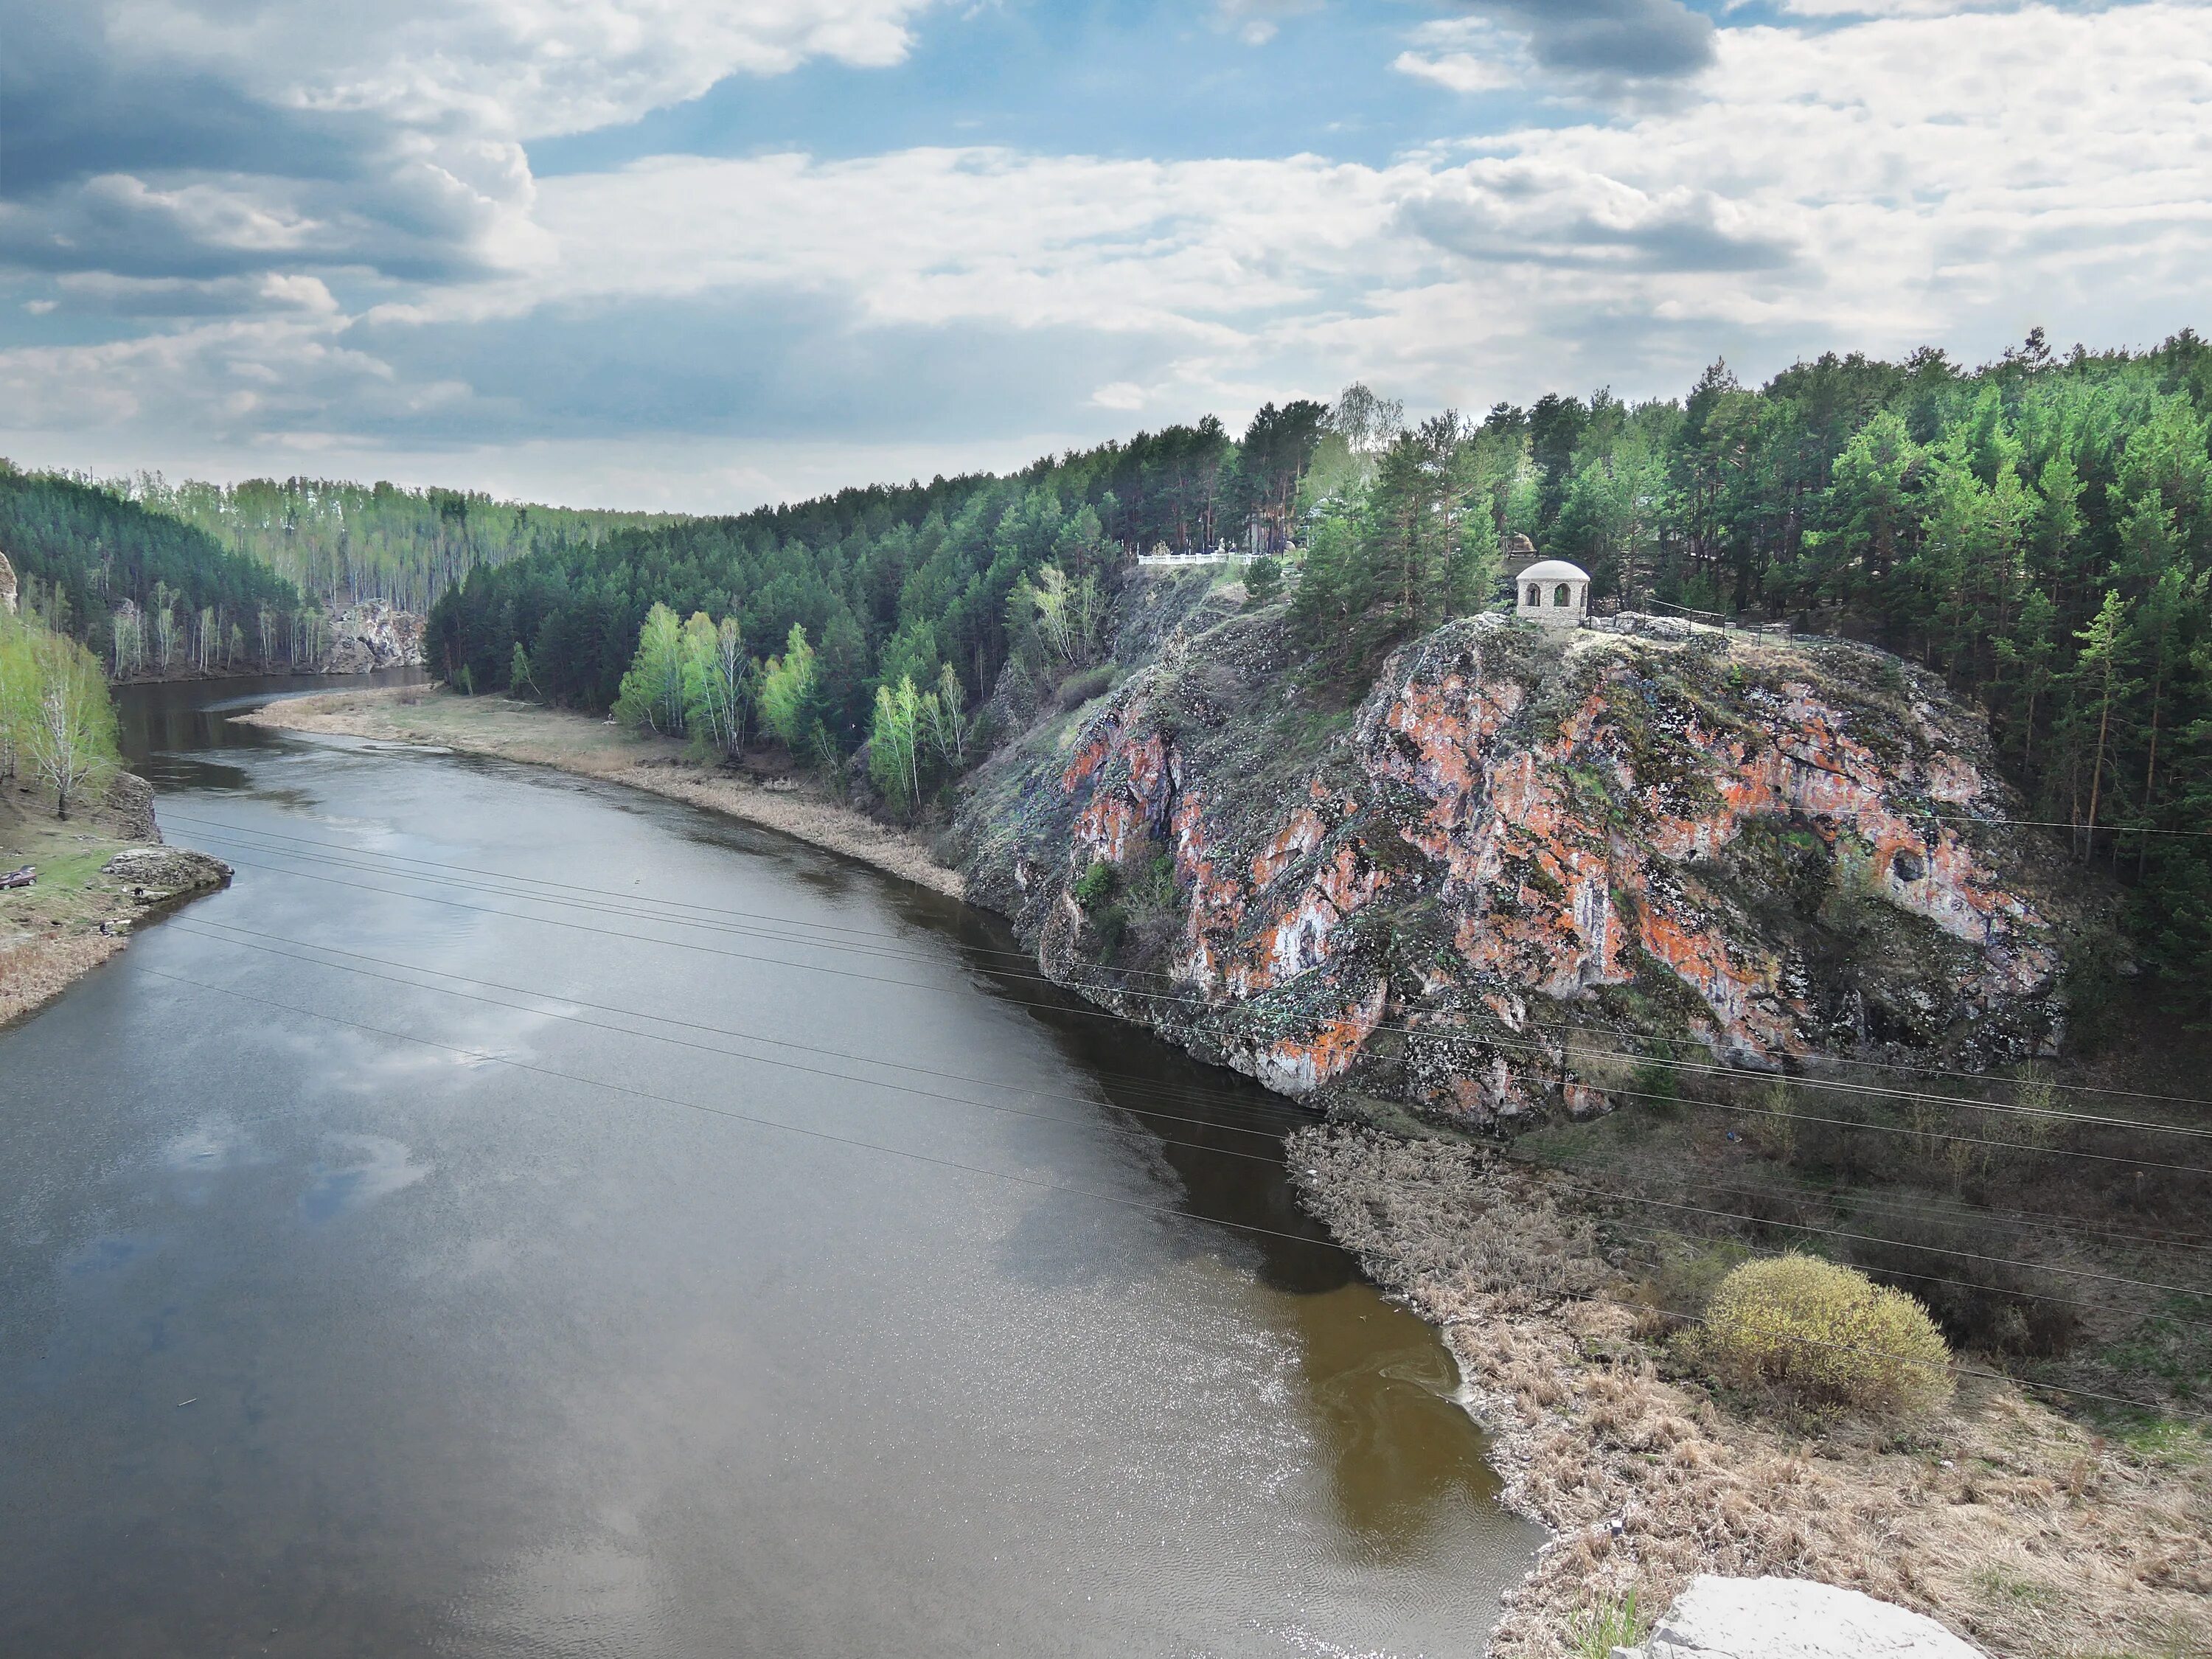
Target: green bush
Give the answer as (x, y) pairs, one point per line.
(1828, 1334)
(1095, 886)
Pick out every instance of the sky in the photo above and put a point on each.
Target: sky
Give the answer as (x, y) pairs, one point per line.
(703, 254)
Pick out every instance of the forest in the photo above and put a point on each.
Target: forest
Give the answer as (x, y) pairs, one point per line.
(147, 594)
(2037, 530)
(344, 543)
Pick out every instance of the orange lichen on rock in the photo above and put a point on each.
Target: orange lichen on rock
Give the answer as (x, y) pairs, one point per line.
(1550, 820)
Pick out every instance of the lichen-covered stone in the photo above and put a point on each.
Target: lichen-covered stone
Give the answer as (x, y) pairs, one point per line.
(1763, 849)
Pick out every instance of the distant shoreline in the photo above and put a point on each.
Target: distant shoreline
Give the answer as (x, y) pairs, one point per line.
(579, 744)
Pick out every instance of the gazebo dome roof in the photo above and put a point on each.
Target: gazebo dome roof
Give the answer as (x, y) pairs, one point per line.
(1554, 570)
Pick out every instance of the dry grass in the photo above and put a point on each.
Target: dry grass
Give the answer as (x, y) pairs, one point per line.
(590, 747)
(2023, 1531)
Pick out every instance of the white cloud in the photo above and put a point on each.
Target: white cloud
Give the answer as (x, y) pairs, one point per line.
(1256, 22)
(1872, 185)
(519, 69)
(1458, 72)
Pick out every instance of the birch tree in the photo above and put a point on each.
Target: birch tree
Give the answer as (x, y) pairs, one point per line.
(894, 756)
(71, 736)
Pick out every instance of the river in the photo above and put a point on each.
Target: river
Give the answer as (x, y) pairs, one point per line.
(422, 1246)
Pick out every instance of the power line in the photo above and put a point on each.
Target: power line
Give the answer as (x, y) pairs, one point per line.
(747, 1117)
(1692, 1067)
(2060, 823)
(1271, 1111)
(625, 903)
(197, 923)
(757, 1060)
(1900, 1207)
(1106, 1013)
(1932, 1249)
(1251, 1228)
(928, 1094)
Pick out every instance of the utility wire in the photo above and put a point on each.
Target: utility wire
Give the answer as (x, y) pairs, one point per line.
(1691, 1067)
(1027, 965)
(1251, 1228)
(755, 1059)
(962, 1100)
(488, 1058)
(1273, 1125)
(1272, 1115)
(1109, 1014)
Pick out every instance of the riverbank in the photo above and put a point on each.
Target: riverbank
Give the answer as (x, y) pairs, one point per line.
(2019, 1527)
(506, 730)
(2029, 1533)
(101, 874)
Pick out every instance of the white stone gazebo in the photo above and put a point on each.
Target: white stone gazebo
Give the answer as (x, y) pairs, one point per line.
(1554, 592)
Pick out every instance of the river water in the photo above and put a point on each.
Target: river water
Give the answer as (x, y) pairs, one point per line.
(509, 1325)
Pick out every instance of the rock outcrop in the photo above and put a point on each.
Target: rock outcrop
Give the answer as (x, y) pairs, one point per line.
(1790, 1618)
(7, 585)
(1767, 851)
(370, 635)
(158, 874)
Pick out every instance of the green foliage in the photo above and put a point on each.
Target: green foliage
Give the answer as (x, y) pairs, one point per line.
(1610, 1622)
(345, 541)
(1827, 1335)
(56, 724)
(1096, 884)
(790, 693)
(651, 696)
(2038, 531)
(143, 592)
(1263, 580)
(897, 741)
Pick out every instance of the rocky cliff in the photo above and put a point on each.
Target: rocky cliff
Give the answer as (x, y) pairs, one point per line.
(370, 635)
(1524, 849)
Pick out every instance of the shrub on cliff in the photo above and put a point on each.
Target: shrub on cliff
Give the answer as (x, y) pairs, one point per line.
(1096, 884)
(1828, 1334)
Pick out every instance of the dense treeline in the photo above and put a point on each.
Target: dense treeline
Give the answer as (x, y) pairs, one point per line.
(146, 593)
(342, 542)
(2038, 531)
(886, 583)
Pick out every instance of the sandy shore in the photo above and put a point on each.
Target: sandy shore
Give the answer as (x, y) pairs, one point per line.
(593, 748)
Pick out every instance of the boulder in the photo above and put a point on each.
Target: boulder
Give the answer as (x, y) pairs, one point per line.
(159, 872)
(1791, 1618)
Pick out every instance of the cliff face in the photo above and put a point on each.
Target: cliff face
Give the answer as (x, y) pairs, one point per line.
(1749, 848)
(370, 635)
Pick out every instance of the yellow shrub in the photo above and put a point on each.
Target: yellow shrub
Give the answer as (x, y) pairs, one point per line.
(1828, 1333)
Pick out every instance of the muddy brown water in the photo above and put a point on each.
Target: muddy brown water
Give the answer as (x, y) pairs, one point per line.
(508, 1326)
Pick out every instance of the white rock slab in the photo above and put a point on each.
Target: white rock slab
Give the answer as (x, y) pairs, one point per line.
(1791, 1618)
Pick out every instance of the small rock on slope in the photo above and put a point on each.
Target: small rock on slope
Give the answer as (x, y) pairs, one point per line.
(1791, 1618)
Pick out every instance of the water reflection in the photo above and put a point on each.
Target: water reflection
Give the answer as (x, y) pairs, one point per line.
(584, 1357)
